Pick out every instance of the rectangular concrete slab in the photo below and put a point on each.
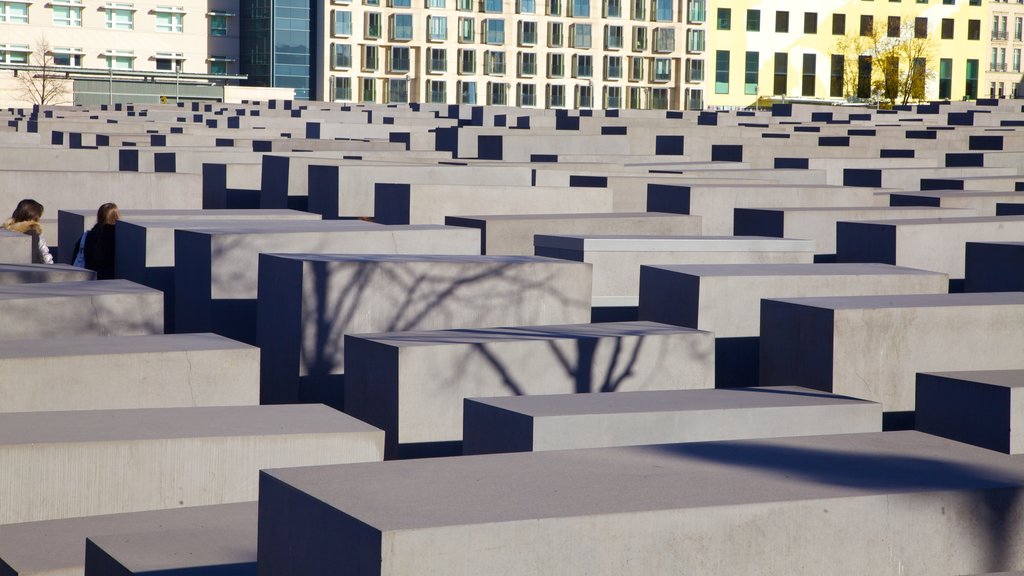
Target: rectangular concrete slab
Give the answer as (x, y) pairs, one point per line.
(984, 408)
(68, 464)
(617, 259)
(710, 508)
(872, 347)
(573, 421)
(100, 308)
(412, 384)
(57, 547)
(35, 273)
(309, 302)
(142, 371)
(513, 234)
(15, 248)
(229, 550)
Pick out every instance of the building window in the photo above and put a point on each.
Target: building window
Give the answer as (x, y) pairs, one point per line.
(639, 38)
(782, 22)
(864, 76)
(638, 10)
(17, 13)
(750, 74)
(836, 76)
(400, 3)
(526, 6)
(867, 25)
(1018, 28)
(437, 28)
(612, 8)
(527, 33)
(467, 92)
(342, 55)
(579, 35)
(583, 65)
(494, 63)
(781, 72)
(662, 70)
(342, 23)
(218, 66)
(14, 53)
(580, 8)
(947, 29)
(120, 59)
(946, 78)
(659, 98)
(892, 27)
(920, 27)
(398, 59)
(497, 94)
(68, 14)
(753, 20)
(368, 88)
(811, 23)
(437, 91)
(554, 7)
(218, 25)
(527, 64)
(555, 34)
(169, 19)
(119, 16)
(663, 10)
(810, 62)
(464, 5)
(724, 19)
(492, 6)
(974, 29)
(722, 72)
(398, 91)
(495, 28)
(556, 96)
(527, 95)
(612, 97)
(694, 40)
(636, 69)
(467, 61)
(584, 96)
(839, 24)
(342, 88)
(369, 58)
(401, 26)
(437, 4)
(437, 60)
(612, 37)
(1016, 62)
(71, 57)
(372, 31)
(613, 67)
(664, 40)
(971, 86)
(556, 65)
(466, 30)
(694, 70)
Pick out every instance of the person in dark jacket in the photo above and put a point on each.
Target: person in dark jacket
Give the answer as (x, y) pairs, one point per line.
(99, 242)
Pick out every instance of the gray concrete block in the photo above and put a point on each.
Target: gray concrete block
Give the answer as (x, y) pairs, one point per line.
(100, 308)
(513, 234)
(82, 463)
(216, 271)
(574, 421)
(994, 267)
(15, 248)
(872, 347)
(226, 550)
(308, 303)
(57, 547)
(716, 508)
(35, 273)
(141, 371)
(984, 408)
(617, 259)
(412, 384)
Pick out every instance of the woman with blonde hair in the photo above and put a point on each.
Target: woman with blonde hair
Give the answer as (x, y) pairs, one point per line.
(99, 242)
(25, 220)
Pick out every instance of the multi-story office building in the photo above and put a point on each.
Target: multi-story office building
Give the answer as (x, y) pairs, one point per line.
(1004, 66)
(277, 44)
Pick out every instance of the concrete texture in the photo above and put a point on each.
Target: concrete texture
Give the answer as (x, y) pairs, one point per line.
(99, 308)
(713, 508)
(141, 371)
(309, 302)
(574, 421)
(984, 408)
(994, 267)
(35, 273)
(513, 234)
(15, 248)
(228, 550)
(871, 347)
(216, 271)
(412, 384)
(57, 547)
(69, 464)
(617, 259)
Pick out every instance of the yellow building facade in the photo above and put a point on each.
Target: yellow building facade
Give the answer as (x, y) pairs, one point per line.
(829, 50)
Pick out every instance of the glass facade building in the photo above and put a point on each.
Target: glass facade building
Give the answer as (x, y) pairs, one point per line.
(277, 44)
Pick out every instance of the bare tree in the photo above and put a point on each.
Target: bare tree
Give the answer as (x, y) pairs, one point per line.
(42, 82)
(897, 58)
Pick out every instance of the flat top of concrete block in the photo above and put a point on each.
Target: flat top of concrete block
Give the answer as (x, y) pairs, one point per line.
(159, 423)
(307, 226)
(36, 268)
(669, 401)
(999, 378)
(226, 223)
(73, 289)
(527, 486)
(1015, 244)
(957, 220)
(520, 333)
(435, 258)
(881, 209)
(823, 269)
(116, 345)
(218, 214)
(189, 548)
(581, 216)
(640, 243)
(953, 193)
(909, 300)
(52, 545)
